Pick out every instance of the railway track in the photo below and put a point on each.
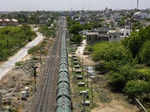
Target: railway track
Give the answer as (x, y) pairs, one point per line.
(45, 98)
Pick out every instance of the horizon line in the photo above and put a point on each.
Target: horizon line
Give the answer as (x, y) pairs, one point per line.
(57, 10)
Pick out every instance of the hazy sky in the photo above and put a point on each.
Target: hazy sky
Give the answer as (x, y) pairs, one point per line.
(11, 5)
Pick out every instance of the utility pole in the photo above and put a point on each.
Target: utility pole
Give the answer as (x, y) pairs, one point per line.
(1, 100)
(137, 4)
(41, 55)
(7, 42)
(87, 76)
(84, 110)
(92, 92)
(82, 61)
(35, 75)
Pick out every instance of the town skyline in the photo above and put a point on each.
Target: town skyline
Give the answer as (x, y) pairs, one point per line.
(32, 5)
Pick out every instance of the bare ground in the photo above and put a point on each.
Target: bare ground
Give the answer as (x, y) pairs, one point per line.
(17, 79)
(108, 101)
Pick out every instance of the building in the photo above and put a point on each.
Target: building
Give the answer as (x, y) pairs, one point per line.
(125, 32)
(95, 37)
(43, 19)
(6, 22)
(117, 35)
(1, 21)
(114, 35)
(92, 36)
(142, 15)
(14, 22)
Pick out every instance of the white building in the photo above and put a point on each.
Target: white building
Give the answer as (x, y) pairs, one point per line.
(125, 32)
(142, 15)
(117, 35)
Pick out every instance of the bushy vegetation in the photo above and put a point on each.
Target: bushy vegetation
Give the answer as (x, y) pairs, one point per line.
(109, 51)
(13, 38)
(135, 43)
(47, 30)
(39, 48)
(74, 29)
(76, 38)
(137, 88)
(121, 60)
(144, 54)
(34, 49)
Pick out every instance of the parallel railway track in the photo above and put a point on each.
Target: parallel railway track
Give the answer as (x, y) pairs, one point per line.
(45, 98)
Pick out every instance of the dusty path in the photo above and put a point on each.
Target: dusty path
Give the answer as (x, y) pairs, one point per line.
(10, 64)
(80, 53)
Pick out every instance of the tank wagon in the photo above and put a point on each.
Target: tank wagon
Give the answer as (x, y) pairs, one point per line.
(63, 84)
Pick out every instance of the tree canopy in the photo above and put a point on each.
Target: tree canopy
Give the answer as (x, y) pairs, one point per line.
(13, 38)
(136, 40)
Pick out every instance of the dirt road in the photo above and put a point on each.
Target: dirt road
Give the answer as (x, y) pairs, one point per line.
(10, 64)
(80, 53)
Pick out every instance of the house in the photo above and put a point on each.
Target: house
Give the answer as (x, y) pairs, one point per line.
(118, 34)
(14, 22)
(43, 19)
(1, 21)
(5, 22)
(114, 35)
(92, 36)
(95, 37)
(102, 30)
(125, 32)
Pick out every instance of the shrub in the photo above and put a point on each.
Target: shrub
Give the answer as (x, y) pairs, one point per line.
(33, 49)
(136, 87)
(46, 31)
(101, 66)
(117, 81)
(144, 74)
(119, 78)
(113, 65)
(20, 63)
(76, 38)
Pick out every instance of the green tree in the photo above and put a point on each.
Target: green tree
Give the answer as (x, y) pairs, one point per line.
(76, 28)
(136, 41)
(109, 51)
(120, 77)
(76, 38)
(144, 53)
(133, 44)
(13, 38)
(117, 81)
